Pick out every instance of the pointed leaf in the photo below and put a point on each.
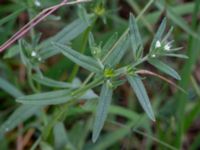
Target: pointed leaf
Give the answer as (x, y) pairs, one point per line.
(22, 113)
(84, 61)
(114, 56)
(164, 68)
(53, 98)
(159, 33)
(177, 55)
(102, 110)
(83, 15)
(9, 88)
(92, 43)
(141, 94)
(136, 41)
(51, 83)
(67, 34)
(60, 136)
(108, 45)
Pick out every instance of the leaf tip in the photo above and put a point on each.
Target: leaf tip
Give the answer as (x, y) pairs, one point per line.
(94, 138)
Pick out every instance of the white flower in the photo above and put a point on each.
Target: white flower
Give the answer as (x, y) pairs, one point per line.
(153, 55)
(33, 54)
(37, 3)
(167, 47)
(158, 44)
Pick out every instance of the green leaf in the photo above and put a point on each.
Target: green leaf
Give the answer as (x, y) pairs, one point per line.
(11, 52)
(95, 50)
(60, 136)
(159, 34)
(67, 34)
(45, 146)
(84, 61)
(22, 113)
(181, 22)
(12, 16)
(51, 83)
(141, 94)
(102, 110)
(83, 14)
(136, 41)
(53, 98)
(92, 43)
(114, 56)
(177, 55)
(23, 56)
(9, 88)
(176, 18)
(108, 45)
(164, 68)
(18, 116)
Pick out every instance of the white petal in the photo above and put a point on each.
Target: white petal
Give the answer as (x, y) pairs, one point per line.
(158, 44)
(37, 3)
(153, 55)
(33, 54)
(167, 47)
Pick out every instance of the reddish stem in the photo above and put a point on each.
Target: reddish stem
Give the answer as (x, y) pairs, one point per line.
(31, 24)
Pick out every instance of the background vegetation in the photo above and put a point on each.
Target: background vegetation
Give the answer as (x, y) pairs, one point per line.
(69, 125)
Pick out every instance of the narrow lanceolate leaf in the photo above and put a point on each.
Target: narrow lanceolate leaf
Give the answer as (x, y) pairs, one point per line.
(53, 98)
(80, 59)
(9, 88)
(108, 45)
(159, 34)
(177, 55)
(141, 94)
(92, 43)
(136, 41)
(164, 68)
(67, 34)
(20, 114)
(114, 56)
(83, 14)
(60, 136)
(51, 83)
(102, 110)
